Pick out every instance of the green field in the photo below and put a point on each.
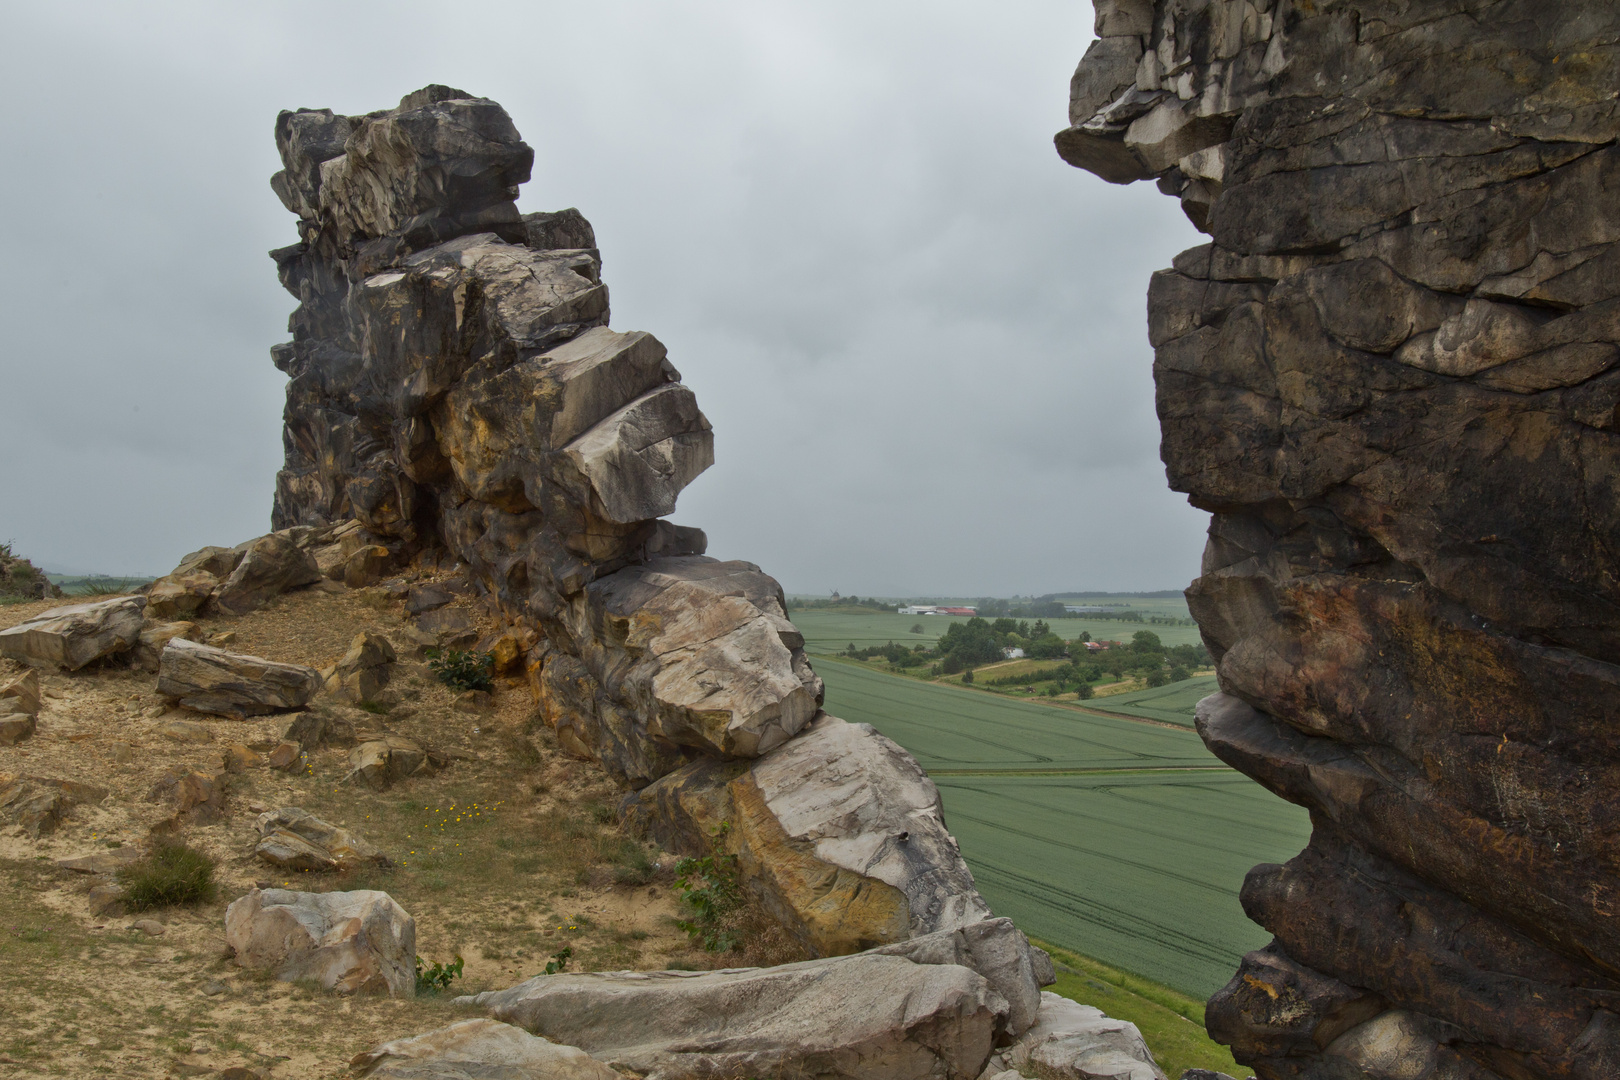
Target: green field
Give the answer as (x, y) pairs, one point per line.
(828, 632)
(1120, 840)
(1171, 704)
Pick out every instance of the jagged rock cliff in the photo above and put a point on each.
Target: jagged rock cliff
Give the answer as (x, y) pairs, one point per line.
(455, 389)
(1390, 377)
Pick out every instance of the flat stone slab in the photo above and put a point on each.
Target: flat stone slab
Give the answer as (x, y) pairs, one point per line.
(479, 1049)
(73, 636)
(212, 680)
(853, 1016)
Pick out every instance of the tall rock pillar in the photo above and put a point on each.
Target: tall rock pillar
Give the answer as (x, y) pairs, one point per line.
(1391, 377)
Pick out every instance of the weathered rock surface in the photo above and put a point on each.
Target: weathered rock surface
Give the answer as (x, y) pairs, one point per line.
(19, 708)
(364, 670)
(1390, 377)
(697, 655)
(38, 804)
(271, 565)
(350, 942)
(215, 681)
(997, 950)
(196, 796)
(839, 831)
(1071, 1041)
(73, 636)
(851, 1017)
(155, 637)
(297, 840)
(479, 1050)
(381, 763)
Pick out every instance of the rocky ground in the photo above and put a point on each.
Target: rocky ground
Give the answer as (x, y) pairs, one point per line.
(506, 856)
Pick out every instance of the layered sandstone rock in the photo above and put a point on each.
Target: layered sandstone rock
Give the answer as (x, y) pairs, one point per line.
(73, 636)
(457, 397)
(1390, 377)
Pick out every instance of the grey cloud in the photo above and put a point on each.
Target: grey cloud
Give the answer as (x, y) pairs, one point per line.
(919, 335)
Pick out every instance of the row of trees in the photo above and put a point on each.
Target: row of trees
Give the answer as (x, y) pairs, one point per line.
(979, 641)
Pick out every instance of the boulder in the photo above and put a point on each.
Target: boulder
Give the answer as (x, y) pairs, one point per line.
(37, 804)
(1071, 1041)
(19, 708)
(297, 840)
(349, 942)
(270, 566)
(21, 694)
(15, 727)
(184, 731)
(212, 680)
(321, 726)
(364, 670)
(424, 598)
(178, 595)
(73, 636)
(997, 950)
(155, 637)
(840, 832)
(286, 756)
(380, 763)
(367, 566)
(196, 796)
(478, 1049)
(858, 1016)
(699, 653)
(448, 625)
(239, 758)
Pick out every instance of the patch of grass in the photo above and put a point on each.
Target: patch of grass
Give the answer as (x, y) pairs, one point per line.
(172, 874)
(1172, 1023)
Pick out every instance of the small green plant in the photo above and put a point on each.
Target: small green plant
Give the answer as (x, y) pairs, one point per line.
(462, 669)
(558, 961)
(436, 978)
(172, 874)
(711, 891)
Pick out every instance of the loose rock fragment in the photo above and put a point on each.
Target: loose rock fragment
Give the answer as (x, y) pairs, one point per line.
(294, 839)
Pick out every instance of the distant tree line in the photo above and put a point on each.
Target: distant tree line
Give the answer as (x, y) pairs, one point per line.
(979, 641)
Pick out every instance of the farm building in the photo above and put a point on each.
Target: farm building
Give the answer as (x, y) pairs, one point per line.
(1012, 652)
(970, 612)
(919, 609)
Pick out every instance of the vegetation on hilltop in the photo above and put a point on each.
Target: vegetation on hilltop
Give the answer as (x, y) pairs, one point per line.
(22, 581)
(979, 641)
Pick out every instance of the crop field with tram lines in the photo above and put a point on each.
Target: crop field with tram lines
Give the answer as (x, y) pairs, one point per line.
(1119, 839)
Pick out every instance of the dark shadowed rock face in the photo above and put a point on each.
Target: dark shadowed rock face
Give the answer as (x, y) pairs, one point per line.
(1391, 378)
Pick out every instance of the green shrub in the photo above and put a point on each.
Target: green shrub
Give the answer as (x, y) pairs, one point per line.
(711, 890)
(1157, 678)
(558, 961)
(462, 669)
(1084, 691)
(436, 977)
(172, 874)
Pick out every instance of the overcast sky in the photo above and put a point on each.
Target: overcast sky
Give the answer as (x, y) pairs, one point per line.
(919, 335)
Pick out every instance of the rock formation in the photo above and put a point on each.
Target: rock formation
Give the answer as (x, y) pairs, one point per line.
(457, 397)
(1390, 378)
